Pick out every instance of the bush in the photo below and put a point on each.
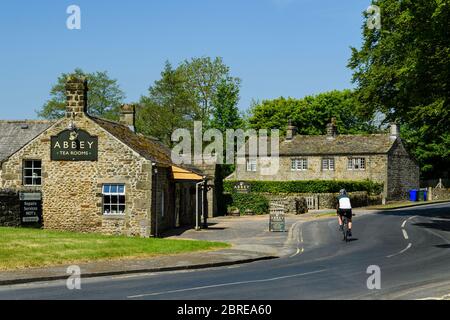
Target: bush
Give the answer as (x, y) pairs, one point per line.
(308, 186)
(257, 203)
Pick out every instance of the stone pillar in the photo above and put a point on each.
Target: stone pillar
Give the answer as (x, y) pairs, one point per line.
(76, 96)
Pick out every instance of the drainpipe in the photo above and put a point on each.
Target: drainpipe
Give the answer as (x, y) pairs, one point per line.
(197, 226)
(155, 175)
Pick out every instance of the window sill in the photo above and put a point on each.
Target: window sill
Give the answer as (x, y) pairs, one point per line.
(114, 216)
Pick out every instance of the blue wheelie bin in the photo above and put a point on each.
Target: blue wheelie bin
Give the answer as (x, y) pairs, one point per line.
(413, 195)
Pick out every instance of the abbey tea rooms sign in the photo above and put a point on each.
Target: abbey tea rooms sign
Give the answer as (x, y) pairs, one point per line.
(72, 145)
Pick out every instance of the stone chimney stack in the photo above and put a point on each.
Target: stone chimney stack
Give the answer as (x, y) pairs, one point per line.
(76, 96)
(394, 131)
(332, 129)
(291, 131)
(128, 116)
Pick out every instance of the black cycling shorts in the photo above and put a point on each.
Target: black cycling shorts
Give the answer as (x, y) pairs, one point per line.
(345, 212)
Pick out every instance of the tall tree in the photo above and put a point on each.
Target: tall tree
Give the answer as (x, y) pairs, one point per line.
(168, 106)
(310, 114)
(104, 96)
(403, 70)
(204, 75)
(225, 114)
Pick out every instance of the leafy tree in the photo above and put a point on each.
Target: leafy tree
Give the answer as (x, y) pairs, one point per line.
(104, 96)
(225, 114)
(403, 70)
(168, 106)
(204, 75)
(311, 114)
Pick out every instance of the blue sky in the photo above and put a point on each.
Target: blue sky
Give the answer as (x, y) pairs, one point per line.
(277, 47)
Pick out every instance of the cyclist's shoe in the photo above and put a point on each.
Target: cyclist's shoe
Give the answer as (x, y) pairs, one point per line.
(341, 228)
(349, 233)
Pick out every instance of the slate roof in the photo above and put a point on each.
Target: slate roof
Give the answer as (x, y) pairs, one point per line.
(341, 144)
(322, 145)
(148, 147)
(14, 135)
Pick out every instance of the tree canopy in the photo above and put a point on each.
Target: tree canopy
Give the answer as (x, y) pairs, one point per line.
(403, 70)
(311, 114)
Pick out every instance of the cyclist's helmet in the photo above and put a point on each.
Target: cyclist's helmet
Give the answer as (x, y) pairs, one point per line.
(343, 192)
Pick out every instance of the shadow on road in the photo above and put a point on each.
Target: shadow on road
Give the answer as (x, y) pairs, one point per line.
(440, 216)
(443, 246)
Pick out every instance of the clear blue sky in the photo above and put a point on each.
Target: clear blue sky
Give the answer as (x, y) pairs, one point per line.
(277, 47)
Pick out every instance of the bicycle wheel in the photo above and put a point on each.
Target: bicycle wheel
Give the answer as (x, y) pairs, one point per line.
(345, 229)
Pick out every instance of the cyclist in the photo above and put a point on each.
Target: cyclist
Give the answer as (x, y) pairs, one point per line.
(344, 208)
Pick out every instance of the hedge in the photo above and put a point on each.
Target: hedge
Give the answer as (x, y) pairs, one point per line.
(308, 186)
(257, 203)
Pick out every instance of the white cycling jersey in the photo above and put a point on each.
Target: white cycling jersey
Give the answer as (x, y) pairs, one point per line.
(344, 203)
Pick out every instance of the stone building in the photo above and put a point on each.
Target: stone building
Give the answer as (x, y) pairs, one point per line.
(94, 175)
(378, 157)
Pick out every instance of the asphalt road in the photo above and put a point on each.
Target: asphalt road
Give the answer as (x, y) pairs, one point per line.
(410, 246)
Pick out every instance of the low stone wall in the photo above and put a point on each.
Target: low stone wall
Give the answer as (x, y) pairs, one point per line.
(9, 209)
(292, 202)
(440, 194)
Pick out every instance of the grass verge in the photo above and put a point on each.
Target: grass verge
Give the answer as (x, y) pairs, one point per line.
(26, 248)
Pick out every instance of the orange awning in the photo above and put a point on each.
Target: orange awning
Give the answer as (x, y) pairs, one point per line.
(182, 174)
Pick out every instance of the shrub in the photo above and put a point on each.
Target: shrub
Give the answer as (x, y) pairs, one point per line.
(257, 203)
(308, 186)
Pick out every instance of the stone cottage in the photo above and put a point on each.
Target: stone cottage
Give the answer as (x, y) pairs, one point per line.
(380, 158)
(87, 174)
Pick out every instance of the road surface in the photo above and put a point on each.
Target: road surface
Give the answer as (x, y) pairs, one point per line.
(410, 246)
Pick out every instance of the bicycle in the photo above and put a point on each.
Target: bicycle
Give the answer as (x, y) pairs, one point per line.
(345, 228)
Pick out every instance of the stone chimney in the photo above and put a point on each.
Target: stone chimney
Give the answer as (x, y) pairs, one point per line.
(76, 96)
(128, 116)
(291, 131)
(394, 131)
(332, 129)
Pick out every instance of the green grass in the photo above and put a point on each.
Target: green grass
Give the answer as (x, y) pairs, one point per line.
(26, 248)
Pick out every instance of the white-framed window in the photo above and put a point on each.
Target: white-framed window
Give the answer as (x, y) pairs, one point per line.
(328, 164)
(299, 164)
(32, 172)
(114, 199)
(356, 164)
(251, 165)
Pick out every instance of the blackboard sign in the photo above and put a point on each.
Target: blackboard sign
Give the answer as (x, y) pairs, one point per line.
(30, 208)
(242, 187)
(74, 145)
(277, 222)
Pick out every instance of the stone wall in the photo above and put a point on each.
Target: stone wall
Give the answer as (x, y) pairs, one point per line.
(9, 209)
(72, 191)
(325, 200)
(440, 194)
(403, 173)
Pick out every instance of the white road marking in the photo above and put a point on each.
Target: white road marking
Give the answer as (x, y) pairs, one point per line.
(404, 223)
(396, 254)
(224, 285)
(445, 297)
(405, 234)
